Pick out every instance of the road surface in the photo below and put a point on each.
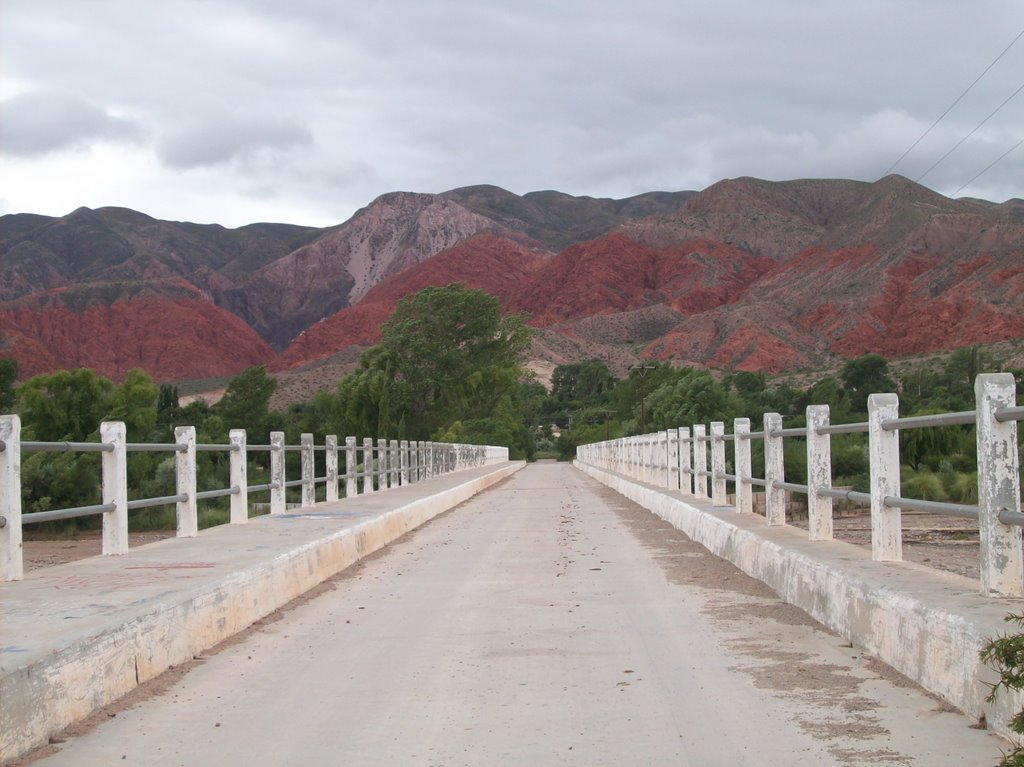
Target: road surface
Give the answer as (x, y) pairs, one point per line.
(548, 621)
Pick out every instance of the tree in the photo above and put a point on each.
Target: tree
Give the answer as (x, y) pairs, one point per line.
(135, 403)
(586, 383)
(66, 405)
(865, 375)
(446, 354)
(246, 403)
(8, 378)
(689, 397)
(168, 411)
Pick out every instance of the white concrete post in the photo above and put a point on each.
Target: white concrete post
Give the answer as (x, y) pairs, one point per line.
(673, 459)
(12, 566)
(819, 475)
(308, 475)
(664, 465)
(884, 456)
(331, 466)
(382, 464)
(239, 477)
(414, 461)
(1002, 572)
(393, 463)
(743, 464)
(115, 488)
(185, 460)
(700, 462)
(403, 451)
(278, 499)
(685, 460)
(718, 494)
(368, 470)
(351, 482)
(774, 471)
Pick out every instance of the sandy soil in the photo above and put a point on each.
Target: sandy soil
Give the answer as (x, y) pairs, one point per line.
(46, 553)
(945, 543)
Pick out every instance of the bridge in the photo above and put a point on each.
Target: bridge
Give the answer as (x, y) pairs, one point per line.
(550, 616)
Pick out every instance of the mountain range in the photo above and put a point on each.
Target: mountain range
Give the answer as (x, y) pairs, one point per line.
(747, 275)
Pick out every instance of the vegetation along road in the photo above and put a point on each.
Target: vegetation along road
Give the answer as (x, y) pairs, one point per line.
(547, 621)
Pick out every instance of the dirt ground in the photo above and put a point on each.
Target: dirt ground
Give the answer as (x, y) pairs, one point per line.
(945, 543)
(42, 552)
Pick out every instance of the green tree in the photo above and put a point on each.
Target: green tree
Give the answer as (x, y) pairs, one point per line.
(8, 378)
(690, 396)
(168, 411)
(135, 403)
(246, 404)
(587, 382)
(446, 354)
(865, 375)
(66, 405)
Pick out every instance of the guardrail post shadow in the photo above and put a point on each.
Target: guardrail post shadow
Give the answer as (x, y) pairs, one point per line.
(238, 463)
(115, 488)
(744, 466)
(700, 462)
(351, 482)
(12, 567)
(331, 466)
(1002, 572)
(774, 471)
(308, 483)
(819, 475)
(718, 494)
(884, 457)
(278, 498)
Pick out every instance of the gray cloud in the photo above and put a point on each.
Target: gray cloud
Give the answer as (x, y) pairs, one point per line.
(38, 122)
(320, 106)
(221, 141)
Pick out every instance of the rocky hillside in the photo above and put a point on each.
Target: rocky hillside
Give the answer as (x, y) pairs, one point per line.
(747, 274)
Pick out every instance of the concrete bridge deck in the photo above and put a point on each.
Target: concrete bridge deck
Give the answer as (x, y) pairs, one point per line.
(545, 621)
(75, 637)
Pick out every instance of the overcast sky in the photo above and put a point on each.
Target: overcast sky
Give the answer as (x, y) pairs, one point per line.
(303, 111)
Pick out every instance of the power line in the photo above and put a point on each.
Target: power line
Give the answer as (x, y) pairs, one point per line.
(988, 167)
(950, 107)
(976, 127)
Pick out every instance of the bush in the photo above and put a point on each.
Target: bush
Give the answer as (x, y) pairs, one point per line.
(1006, 655)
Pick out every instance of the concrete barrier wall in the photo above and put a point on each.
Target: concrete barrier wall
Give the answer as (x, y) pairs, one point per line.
(41, 699)
(928, 625)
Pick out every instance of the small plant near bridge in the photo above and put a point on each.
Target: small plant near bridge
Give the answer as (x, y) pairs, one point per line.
(1006, 655)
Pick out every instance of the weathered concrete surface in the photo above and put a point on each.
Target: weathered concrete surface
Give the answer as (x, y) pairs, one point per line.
(75, 637)
(927, 624)
(547, 621)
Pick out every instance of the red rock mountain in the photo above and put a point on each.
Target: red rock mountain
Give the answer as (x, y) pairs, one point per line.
(748, 274)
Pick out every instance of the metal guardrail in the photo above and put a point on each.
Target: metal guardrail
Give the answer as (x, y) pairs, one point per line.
(666, 459)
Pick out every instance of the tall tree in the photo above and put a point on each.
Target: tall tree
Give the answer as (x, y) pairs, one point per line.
(66, 405)
(246, 403)
(8, 377)
(865, 375)
(446, 354)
